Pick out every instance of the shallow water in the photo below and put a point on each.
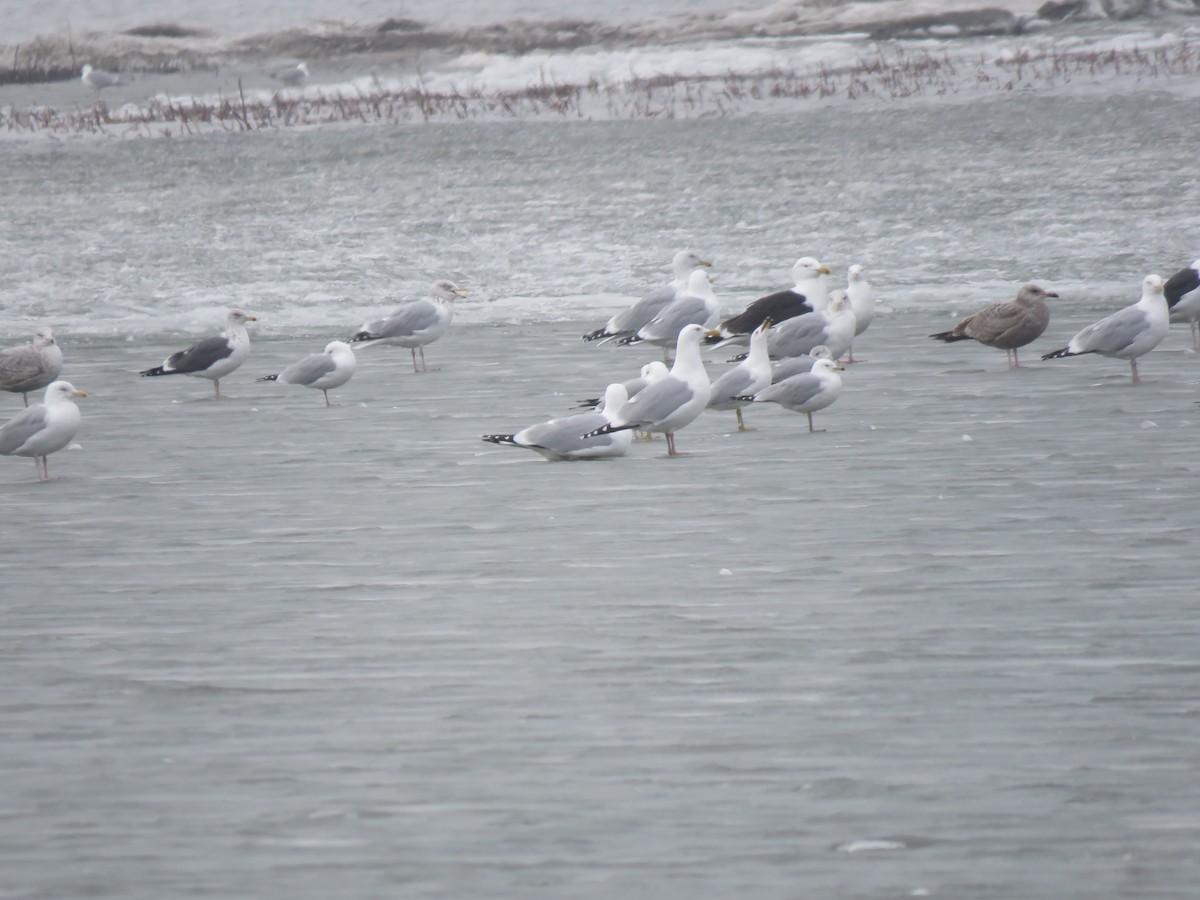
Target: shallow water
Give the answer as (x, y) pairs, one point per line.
(264, 648)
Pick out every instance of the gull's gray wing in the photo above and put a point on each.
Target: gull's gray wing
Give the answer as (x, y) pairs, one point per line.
(668, 323)
(656, 402)
(642, 312)
(563, 436)
(406, 321)
(730, 385)
(1112, 334)
(308, 370)
(792, 392)
(200, 356)
(21, 427)
(793, 365)
(796, 336)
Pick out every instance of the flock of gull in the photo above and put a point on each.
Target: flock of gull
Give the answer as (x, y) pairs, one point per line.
(794, 340)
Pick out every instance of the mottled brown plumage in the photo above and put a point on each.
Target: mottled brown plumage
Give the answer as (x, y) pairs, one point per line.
(1008, 325)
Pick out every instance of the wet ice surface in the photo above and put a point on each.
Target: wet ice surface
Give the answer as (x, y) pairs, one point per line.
(264, 648)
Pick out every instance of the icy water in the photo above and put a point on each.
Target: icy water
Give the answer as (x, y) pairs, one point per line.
(263, 648)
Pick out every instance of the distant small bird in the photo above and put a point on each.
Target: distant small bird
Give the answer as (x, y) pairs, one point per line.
(807, 392)
(43, 428)
(858, 292)
(212, 358)
(29, 367)
(323, 371)
(1128, 333)
(808, 294)
(415, 324)
(98, 79)
(697, 304)
(747, 378)
(293, 76)
(628, 321)
(564, 438)
(673, 401)
(1007, 325)
(1182, 291)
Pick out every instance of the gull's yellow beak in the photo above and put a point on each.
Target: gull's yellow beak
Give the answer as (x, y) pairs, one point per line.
(825, 270)
(79, 394)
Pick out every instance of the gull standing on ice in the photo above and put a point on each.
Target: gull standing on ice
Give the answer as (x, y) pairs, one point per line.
(746, 378)
(565, 438)
(858, 292)
(41, 429)
(833, 326)
(325, 371)
(1128, 333)
(1007, 325)
(1182, 291)
(29, 367)
(212, 358)
(415, 324)
(98, 79)
(807, 392)
(673, 401)
(808, 294)
(696, 306)
(628, 321)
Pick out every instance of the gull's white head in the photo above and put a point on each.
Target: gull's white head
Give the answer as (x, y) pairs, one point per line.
(58, 391)
(686, 260)
(820, 352)
(837, 300)
(334, 347)
(43, 337)
(656, 369)
(854, 273)
(825, 367)
(237, 316)
(699, 284)
(807, 268)
(1152, 284)
(447, 291)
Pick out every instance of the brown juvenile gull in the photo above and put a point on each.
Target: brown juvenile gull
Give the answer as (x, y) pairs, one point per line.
(43, 428)
(212, 358)
(1128, 333)
(30, 367)
(1006, 325)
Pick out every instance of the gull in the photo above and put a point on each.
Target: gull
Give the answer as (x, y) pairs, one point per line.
(858, 291)
(697, 305)
(798, 365)
(212, 358)
(807, 392)
(808, 294)
(293, 76)
(564, 438)
(29, 367)
(628, 321)
(325, 371)
(43, 428)
(1128, 333)
(833, 326)
(673, 401)
(1007, 325)
(415, 324)
(1182, 291)
(649, 372)
(98, 79)
(747, 378)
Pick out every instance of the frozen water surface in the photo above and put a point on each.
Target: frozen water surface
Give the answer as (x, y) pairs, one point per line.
(263, 648)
